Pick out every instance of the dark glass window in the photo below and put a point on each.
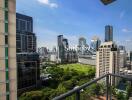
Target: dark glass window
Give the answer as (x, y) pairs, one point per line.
(28, 26)
(6, 40)
(17, 24)
(6, 15)
(7, 87)
(7, 75)
(23, 25)
(6, 61)
(6, 3)
(6, 53)
(6, 27)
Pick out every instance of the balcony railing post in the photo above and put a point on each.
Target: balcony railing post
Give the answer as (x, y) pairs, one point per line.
(110, 88)
(107, 87)
(78, 95)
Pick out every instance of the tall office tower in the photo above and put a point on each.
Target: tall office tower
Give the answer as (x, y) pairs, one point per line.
(107, 60)
(27, 58)
(122, 56)
(82, 41)
(129, 60)
(43, 51)
(65, 43)
(108, 33)
(26, 39)
(8, 77)
(82, 46)
(95, 43)
(61, 50)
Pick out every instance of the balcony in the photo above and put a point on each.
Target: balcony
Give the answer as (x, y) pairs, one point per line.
(108, 93)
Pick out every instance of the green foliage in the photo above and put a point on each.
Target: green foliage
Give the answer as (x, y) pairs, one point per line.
(129, 90)
(70, 84)
(64, 78)
(33, 95)
(121, 96)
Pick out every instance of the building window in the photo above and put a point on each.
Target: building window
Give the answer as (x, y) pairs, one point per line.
(23, 25)
(6, 3)
(17, 24)
(7, 97)
(6, 40)
(7, 87)
(6, 61)
(6, 27)
(7, 75)
(6, 15)
(6, 51)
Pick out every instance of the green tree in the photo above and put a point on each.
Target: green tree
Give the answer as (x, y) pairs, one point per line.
(120, 96)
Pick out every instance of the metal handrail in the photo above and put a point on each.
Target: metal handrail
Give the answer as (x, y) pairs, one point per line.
(77, 90)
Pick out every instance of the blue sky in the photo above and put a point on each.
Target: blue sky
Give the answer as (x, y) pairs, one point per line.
(75, 18)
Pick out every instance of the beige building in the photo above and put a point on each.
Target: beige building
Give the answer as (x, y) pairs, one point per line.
(107, 60)
(8, 77)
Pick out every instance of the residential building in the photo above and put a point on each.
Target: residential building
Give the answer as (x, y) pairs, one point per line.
(8, 70)
(107, 60)
(25, 38)
(108, 33)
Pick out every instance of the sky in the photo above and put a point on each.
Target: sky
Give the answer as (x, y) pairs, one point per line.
(78, 18)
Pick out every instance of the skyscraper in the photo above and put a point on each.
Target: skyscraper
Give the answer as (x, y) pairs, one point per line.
(82, 46)
(27, 58)
(8, 77)
(95, 43)
(122, 56)
(65, 55)
(107, 60)
(82, 41)
(61, 49)
(108, 33)
(26, 39)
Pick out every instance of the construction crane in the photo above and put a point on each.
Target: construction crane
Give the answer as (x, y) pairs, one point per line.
(106, 2)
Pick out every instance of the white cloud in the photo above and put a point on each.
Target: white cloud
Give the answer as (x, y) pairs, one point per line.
(126, 30)
(48, 3)
(122, 14)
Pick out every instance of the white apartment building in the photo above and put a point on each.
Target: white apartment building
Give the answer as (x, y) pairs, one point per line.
(107, 60)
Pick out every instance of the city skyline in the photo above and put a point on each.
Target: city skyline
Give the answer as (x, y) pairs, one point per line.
(83, 19)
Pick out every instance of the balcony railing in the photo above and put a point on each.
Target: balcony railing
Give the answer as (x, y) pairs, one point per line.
(77, 90)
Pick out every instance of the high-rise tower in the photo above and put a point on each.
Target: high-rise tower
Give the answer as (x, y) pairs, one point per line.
(107, 60)
(8, 77)
(108, 33)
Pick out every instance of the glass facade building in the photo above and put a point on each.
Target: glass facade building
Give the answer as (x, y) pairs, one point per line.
(28, 71)
(27, 58)
(108, 33)
(26, 39)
